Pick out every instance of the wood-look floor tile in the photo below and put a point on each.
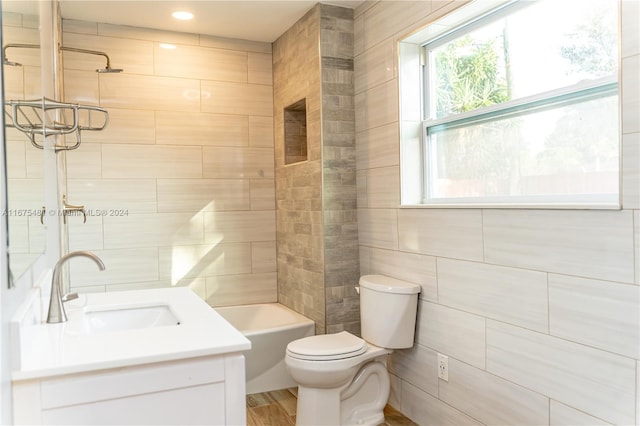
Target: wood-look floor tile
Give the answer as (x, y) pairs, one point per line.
(289, 405)
(393, 417)
(269, 415)
(258, 399)
(278, 408)
(282, 396)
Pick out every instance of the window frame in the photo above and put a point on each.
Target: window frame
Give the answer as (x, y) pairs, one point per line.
(567, 95)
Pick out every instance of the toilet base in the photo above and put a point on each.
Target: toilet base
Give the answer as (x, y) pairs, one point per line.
(359, 402)
(317, 407)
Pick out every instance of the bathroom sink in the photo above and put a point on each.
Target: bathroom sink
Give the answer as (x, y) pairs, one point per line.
(129, 318)
(117, 329)
(139, 348)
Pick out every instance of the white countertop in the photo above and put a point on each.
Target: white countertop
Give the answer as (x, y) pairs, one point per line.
(48, 350)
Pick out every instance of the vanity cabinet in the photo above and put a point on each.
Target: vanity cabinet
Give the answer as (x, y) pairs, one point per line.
(200, 391)
(188, 373)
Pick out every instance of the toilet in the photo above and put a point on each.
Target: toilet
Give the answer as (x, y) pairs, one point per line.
(342, 379)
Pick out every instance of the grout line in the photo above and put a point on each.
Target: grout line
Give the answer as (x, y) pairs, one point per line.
(548, 307)
(484, 257)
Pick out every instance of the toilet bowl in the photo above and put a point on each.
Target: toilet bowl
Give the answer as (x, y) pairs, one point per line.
(327, 384)
(342, 379)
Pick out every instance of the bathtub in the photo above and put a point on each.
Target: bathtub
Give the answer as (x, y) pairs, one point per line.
(269, 327)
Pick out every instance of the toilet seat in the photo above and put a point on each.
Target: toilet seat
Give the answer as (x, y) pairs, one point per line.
(327, 347)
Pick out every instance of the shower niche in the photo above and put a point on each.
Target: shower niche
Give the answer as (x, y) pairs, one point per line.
(295, 132)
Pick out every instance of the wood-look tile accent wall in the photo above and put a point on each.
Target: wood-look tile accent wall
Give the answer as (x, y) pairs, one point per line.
(295, 132)
(296, 72)
(537, 310)
(188, 156)
(339, 198)
(318, 261)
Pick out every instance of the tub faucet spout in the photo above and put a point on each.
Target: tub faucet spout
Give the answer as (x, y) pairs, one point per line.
(56, 308)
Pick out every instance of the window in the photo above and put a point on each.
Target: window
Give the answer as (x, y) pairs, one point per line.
(520, 107)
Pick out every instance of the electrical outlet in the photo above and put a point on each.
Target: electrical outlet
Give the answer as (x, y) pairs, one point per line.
(443, 367)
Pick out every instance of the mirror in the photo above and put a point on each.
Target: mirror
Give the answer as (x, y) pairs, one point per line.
(25, 163)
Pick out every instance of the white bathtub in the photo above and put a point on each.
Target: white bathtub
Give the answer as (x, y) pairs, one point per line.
(269, 327)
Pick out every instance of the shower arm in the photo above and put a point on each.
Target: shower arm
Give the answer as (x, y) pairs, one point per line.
(16, 45)
(90, 52)
(37, 46)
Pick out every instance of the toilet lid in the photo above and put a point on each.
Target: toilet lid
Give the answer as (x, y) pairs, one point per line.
(327, 347)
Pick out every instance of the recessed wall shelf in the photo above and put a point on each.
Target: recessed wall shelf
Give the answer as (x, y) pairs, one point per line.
(295, 132)
(46, 117)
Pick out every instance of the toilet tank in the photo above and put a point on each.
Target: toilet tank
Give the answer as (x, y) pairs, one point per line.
(388, 311)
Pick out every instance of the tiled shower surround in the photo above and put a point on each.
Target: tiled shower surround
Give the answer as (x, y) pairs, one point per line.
(180, 186)
(316, 199)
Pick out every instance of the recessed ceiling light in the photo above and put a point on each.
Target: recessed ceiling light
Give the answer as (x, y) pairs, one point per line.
(184, 16)
(167, 46)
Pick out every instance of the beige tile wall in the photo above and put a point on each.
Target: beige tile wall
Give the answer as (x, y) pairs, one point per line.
(180, 186)
(538, 311)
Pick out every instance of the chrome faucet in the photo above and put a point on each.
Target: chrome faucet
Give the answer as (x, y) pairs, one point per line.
(56, 307)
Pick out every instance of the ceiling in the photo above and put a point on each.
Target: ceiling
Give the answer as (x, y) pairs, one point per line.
(257, 20)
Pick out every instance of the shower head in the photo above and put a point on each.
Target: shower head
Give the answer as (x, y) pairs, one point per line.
(11, 63)
(109, 70)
